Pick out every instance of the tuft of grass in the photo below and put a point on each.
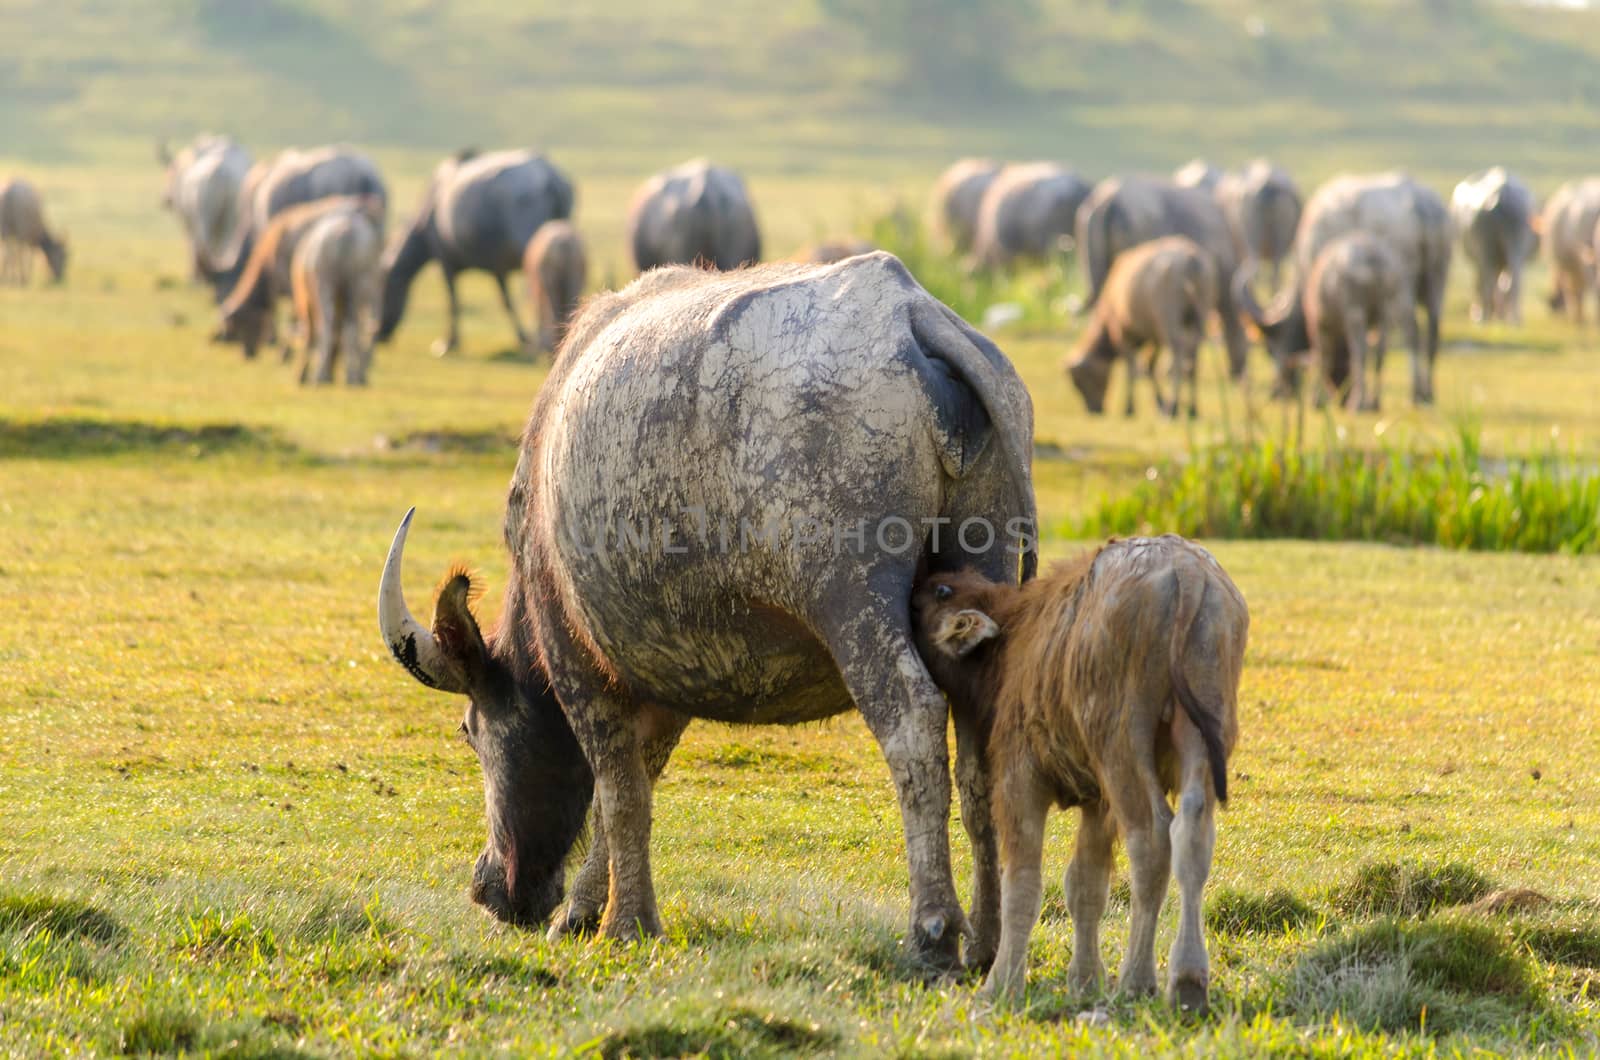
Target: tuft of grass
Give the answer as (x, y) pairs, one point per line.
(213, 934)
(1452, 496)
(31, 913)
(1235, 912)
(1435, 976)
(1393, 888)
(1571, 939)
(730, 1032)
(159, 1030)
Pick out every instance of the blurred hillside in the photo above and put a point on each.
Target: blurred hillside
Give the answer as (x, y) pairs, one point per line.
(846, 88)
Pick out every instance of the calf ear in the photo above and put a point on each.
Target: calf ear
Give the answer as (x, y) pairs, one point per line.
(456, 630)
(962, 631)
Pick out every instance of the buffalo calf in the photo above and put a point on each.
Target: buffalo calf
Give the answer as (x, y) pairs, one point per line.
(1108, 685)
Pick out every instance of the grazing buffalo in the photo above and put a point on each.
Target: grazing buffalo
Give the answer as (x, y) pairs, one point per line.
(1495, 214)
(1198, 173)
(695, 214)
(1262, 206)
(23, 231)
(1027, 213)
(1411, 221)
(1123, 212)
(1108, 685)
(335, 279)
(479, 212)
(1355, 288)
(249, 311)
(957, 197)
(726, 488)
(203, 185)
(1157, 296)
(555, 268)
(1569, 225)
(292, 178)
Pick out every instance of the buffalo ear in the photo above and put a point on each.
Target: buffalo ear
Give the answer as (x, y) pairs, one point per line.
(456, 630)
(962, 631)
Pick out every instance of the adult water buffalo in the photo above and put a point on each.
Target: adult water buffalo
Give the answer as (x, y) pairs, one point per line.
(725, 491)
(1027, 212)
(23, 231)
(697, 213)
(1494, 212)
(957, 196)
(1411, 221)
(1123, 212)
(1262, 206)
(1198, 173)
(478, 213)
(203, 183)
(1568, 225)
(292, 178)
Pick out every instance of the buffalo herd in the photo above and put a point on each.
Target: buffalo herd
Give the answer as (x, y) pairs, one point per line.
(775, 493)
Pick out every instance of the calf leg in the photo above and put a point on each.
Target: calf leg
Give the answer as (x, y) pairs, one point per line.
(1142, 811)
(973, 781)
(1193, 834)
(1087, 884)
(1355, 329)
(909, 718)
(447, 345)
(1130, 357)
(586, 899)
(1024, 803)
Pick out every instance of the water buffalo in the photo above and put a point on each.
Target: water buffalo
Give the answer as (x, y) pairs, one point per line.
(555, 268)
(1108, 684)
(479, 212)
(1027, 213)
(291, 178)
(1262, 206)
(23, 231)
(203, 183)
(1123, 212)
(726, 488)
(1158, 296)
(1198, 173)
(1411, 221)
(1568, 225)
(335, 279)
(957, 196)
(1355, 288)
(697, 213)
(247, 316)
(1495, 212)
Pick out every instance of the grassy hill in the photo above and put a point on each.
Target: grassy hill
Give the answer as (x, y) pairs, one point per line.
(879, 88)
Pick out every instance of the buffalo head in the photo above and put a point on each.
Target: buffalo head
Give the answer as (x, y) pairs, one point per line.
(536, 782)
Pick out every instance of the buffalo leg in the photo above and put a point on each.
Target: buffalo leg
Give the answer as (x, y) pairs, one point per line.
(1088, 883)
(447, 345)
(1130, 356)
(1483, 306)
(973, 781)
(1355, 330)
(1142, 811)
(1193, 835)
(1024, 804)
(587, 901)
(909, 718)
(327, 331)
(1233, 336)
(505, 300)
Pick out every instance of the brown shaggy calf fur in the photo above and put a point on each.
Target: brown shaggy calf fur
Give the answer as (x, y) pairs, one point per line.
(555, 268)
(1106, 685)
(1157, 295)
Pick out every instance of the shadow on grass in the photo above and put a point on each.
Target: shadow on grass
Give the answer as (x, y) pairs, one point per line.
(62, 917)
(72, 437)
(452, 442)
(731, 1032)
(174, 1030)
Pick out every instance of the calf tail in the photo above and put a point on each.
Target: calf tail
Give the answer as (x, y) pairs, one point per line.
(1204, 716)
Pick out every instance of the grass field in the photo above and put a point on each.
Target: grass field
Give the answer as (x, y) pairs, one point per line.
(230, 825)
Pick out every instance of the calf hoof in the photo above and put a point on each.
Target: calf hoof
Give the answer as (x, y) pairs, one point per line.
(573, 920)
(979, 956)
(443, 347)
(630, 928)
(1189, 997)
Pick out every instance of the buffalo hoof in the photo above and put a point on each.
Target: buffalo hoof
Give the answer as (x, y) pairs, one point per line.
(630, 929)
(1189, 997)
(443, 347)
(936, 942)
(572, 921)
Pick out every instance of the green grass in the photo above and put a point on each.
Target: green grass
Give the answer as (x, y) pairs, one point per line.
(1450, 496)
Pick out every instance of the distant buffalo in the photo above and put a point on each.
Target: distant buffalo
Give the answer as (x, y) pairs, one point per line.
(23, 231)
(1262, 206)
(1123, 212)
(555, 268)
(203, 183)
(479, 212)
(1568, 225)
(957, 196)
(1028, 212)
(1494, 213)
(292, 178)
(696, 213)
